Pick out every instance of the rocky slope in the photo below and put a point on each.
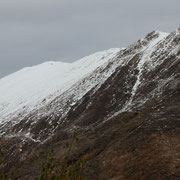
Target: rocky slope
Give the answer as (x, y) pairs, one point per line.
(124, 104)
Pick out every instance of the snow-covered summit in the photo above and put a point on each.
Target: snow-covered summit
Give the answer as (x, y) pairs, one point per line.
(28, 87)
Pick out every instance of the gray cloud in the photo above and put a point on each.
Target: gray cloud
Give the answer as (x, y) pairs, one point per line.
(34, 31)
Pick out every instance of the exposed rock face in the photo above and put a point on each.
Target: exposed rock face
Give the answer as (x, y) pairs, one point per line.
(128, 120)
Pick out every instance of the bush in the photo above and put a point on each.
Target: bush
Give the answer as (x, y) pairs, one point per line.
(65, 169)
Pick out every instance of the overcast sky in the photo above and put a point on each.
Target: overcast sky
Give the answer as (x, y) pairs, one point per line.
(34, 31)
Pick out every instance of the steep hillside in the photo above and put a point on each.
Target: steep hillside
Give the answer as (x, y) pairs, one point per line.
(124, 104)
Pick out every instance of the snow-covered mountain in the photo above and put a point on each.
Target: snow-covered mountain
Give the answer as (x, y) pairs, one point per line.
(125, 94)
(34, 88)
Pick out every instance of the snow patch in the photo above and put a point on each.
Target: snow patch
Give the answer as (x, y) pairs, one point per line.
(140, 67)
